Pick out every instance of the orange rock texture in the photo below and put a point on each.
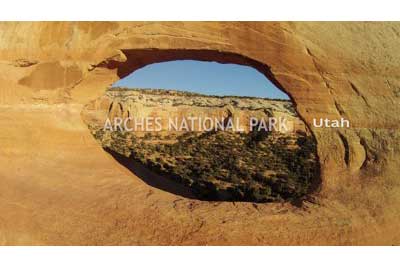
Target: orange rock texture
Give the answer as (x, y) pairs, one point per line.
(58, 187)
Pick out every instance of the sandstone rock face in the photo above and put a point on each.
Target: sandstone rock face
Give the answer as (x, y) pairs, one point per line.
(171, 108)
(57, 186)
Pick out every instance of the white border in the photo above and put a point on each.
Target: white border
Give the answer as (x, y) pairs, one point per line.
(199, 256)
(216, 10)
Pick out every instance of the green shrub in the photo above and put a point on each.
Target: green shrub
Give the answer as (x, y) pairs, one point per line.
(257, 167)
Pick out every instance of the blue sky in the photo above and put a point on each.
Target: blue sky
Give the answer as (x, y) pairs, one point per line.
(203, 77)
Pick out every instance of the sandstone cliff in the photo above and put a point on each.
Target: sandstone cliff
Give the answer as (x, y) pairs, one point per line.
(176, 106)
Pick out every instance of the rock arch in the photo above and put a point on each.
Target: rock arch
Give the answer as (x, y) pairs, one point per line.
(129, 60)
(328, 69)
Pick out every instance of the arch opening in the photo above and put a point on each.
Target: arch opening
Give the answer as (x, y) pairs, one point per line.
(259, 163)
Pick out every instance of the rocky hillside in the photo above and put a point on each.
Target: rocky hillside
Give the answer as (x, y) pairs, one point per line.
(253, 165)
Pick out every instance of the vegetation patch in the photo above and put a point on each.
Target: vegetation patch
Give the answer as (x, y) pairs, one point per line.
(222, 165)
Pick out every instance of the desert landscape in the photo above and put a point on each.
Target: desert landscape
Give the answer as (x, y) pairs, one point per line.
(238, 159)
(64, 183)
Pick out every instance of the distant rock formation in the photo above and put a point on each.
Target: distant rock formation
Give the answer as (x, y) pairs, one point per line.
(178, 105)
